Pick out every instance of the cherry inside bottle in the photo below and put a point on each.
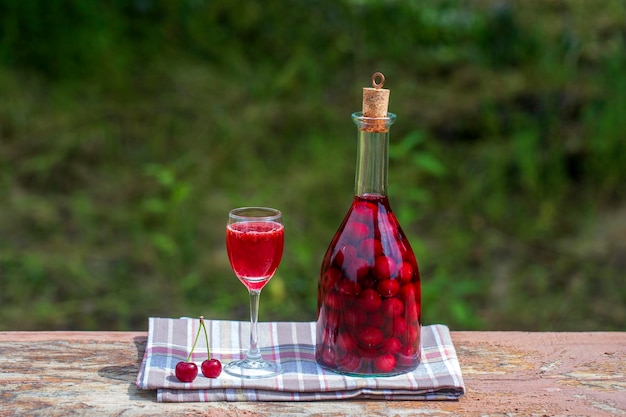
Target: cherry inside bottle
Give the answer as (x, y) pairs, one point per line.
(369, 292)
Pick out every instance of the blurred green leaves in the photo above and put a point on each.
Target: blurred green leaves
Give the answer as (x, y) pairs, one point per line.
(128, 129)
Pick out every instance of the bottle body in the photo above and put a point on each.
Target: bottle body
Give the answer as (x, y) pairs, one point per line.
(369, 290)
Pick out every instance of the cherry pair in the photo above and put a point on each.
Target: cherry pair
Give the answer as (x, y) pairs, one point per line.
(211, 368)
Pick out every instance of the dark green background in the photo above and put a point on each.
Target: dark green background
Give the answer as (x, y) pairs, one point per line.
(128, 129)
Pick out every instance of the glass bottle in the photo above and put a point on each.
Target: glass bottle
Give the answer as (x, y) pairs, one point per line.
(369, 292)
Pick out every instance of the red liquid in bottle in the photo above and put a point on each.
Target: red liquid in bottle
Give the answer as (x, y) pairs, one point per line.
(254, 251)
(369, 295)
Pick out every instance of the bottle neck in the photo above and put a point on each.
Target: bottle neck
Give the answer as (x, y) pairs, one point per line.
(372, 154)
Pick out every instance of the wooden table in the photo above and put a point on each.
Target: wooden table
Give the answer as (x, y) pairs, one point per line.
(506, 373)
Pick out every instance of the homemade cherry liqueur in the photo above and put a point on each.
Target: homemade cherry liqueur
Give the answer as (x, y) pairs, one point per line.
(254, 251)
(369, 293)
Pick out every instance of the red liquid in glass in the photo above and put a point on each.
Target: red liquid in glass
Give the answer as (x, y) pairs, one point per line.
(369, 303)
(254, 251)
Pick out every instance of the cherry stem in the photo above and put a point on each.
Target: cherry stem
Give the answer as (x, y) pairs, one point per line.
(197, 335)
(206, 337)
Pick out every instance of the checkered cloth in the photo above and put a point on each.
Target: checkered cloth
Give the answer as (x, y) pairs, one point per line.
(438, 377)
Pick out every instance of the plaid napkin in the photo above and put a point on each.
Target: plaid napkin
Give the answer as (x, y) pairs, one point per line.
(438, 377)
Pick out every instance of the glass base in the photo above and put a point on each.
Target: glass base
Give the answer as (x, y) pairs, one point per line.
(253, 369)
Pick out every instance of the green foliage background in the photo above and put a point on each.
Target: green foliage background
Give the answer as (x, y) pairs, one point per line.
(128, 129)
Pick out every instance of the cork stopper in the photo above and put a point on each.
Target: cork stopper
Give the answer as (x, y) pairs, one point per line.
(376, 98)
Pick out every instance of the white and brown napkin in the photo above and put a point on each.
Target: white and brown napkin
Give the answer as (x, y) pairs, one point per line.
(438, 377)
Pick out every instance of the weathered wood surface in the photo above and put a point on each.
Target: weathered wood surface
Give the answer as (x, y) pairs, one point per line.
(506, 373)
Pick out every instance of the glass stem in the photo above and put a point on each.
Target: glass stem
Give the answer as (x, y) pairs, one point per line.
(253, 352)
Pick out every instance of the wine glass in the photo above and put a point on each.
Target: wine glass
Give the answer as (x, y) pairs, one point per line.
(254, 243)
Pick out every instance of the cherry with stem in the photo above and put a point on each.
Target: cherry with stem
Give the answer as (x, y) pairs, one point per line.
(211, 368)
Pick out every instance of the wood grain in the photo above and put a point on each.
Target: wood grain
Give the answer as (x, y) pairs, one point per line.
(506, 373)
